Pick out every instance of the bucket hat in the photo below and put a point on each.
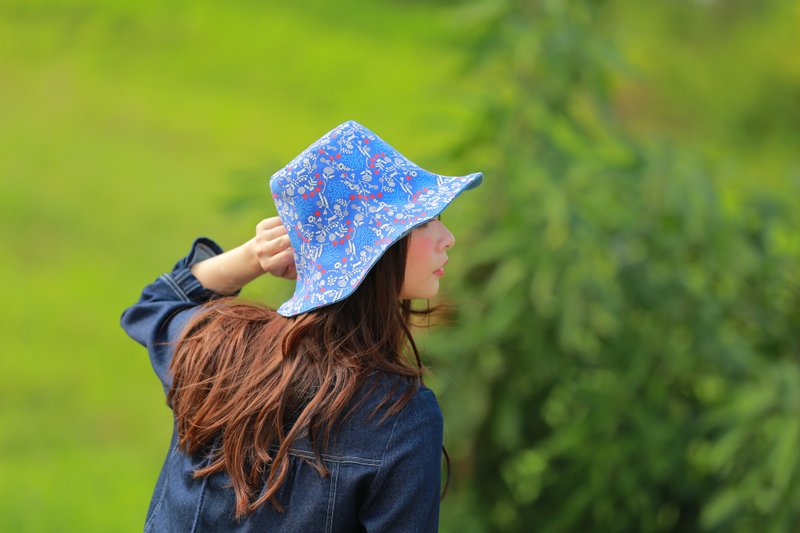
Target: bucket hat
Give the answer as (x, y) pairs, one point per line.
(344, 201)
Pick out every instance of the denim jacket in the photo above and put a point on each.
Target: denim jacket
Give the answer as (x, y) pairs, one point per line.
(384, 476)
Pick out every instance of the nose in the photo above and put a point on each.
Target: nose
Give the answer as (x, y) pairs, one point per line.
(448, 238)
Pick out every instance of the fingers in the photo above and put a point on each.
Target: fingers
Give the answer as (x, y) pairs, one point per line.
(291, 271)
(270, 229)
(284, 264)
(267, 247)
(279, 243)
(280, 264)
(268, 224)
(273, 248)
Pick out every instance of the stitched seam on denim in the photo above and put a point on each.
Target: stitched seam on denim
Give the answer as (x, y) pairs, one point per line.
(187, 282)
(383, 457)
(163, 489)
(338, 460)
(175, 287)
(331, 458)
(199, 504)
(332, 499)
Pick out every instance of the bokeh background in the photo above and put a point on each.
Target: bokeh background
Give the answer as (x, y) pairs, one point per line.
(624, 349)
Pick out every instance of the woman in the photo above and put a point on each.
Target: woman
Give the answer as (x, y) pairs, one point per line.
(309, 417)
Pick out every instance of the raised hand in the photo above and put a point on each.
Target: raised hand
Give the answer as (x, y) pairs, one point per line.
(273, 249)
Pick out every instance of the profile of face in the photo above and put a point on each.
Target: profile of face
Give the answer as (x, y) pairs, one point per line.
(426, 257)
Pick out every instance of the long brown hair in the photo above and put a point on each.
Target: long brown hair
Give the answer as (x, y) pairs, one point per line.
(246, 378)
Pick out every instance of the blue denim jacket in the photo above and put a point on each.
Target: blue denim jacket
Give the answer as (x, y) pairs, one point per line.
(383, 476)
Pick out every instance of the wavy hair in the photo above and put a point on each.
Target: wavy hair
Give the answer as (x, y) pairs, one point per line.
(246, 378)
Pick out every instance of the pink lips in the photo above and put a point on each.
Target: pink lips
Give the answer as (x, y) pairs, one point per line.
(440, 271)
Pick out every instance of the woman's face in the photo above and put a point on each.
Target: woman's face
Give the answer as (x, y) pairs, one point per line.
(427, 254)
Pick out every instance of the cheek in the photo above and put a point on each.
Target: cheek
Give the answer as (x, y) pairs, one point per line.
(418, 259)
(419, 252)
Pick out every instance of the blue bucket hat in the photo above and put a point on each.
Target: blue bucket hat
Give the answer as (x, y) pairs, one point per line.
(344, 201)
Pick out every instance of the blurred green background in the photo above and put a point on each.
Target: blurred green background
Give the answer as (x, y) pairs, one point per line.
(624, 350)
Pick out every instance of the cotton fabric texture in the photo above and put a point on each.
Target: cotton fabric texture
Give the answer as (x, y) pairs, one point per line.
(344, 201)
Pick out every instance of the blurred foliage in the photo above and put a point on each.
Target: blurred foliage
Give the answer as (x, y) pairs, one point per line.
(625, 353)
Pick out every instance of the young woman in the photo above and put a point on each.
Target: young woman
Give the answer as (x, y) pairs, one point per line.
(309, 417)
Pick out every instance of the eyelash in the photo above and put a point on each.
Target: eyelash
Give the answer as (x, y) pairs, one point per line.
(438, 217)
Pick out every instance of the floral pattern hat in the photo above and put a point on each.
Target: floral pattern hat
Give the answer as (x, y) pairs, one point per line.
(345, 200)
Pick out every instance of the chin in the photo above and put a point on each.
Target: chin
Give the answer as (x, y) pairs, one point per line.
(427, 295)
(419, 296)
(423, 292)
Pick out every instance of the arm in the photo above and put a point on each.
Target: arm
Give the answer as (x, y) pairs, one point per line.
(269, 251)
(404, 495)
(167, 304)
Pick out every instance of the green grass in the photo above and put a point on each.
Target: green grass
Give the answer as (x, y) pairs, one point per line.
(125, 130)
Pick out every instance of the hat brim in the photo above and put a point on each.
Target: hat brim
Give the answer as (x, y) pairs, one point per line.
(452, 186)
(472, 181)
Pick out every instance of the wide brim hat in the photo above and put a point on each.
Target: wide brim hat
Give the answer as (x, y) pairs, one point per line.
(344, 201)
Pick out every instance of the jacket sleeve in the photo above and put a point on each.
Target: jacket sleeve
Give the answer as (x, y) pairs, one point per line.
(166, 305)
(404, 495)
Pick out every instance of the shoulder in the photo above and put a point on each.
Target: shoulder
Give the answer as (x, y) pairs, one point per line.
(372, 426)
(421, 417)
(420, 414)
(383, 387)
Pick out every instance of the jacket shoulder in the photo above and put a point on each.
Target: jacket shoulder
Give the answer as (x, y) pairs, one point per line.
(366, 431)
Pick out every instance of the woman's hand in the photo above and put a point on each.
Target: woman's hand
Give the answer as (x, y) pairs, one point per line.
(273, 249)
(269, 251)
